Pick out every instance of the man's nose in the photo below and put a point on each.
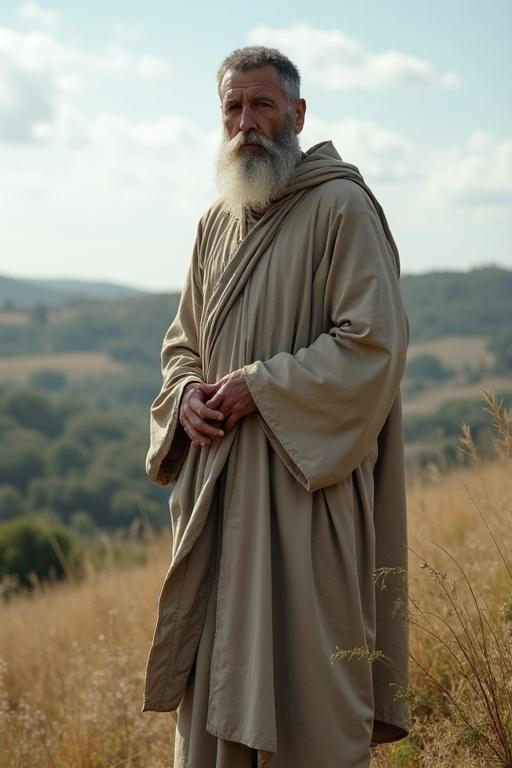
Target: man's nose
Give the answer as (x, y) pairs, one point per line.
(247, 119)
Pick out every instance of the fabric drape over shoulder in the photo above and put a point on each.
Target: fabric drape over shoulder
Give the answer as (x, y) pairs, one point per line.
(307, 303)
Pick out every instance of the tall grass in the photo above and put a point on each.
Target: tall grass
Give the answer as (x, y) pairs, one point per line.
(73, 654)
(71, 673)
(460, 614)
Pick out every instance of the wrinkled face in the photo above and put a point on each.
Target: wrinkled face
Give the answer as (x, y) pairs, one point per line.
(256, 101)
(260, 148)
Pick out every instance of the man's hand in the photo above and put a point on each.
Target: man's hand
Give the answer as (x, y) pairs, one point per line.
(231, 396)
(195, 416)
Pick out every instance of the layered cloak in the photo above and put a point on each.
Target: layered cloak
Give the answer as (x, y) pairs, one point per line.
(311, 485)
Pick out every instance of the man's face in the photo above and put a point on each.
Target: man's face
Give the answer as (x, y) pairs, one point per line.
(255, 100)
(260, 148)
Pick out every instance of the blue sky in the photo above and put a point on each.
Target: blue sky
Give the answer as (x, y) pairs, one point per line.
(109, 125)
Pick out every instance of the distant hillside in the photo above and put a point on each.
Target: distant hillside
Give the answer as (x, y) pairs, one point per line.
(478, 302)
(91, 289)
(130, 327)
(25, 294)
(108, 350)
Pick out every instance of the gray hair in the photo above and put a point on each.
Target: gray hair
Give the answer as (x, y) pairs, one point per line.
(244, 59)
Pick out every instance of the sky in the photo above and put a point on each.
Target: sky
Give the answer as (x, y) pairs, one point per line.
(110, 125)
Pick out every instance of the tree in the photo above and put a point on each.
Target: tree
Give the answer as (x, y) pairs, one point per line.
(11, 502)
(39, 315)
(21, 458)
(65, 455)
(427, 367)
(32, 409)
(501, 345)
(28, 547)
(92, 429)
(48, 379)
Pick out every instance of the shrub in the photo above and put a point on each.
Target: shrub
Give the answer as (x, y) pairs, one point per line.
(49, 380)
(427, 367)
(29, 547)
(11, 502)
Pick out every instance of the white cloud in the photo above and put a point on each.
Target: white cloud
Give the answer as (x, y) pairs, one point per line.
(118, 61)
(39, 16)
(477, 175)
(128, 31)
(380, 154)
(126, 160)
(38, 74)
(334, 61)
(126, 204)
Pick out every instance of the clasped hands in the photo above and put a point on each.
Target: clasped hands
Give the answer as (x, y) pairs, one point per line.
(211, 410)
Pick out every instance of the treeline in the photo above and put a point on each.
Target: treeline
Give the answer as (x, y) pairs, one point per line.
(128, 330)
(64, 461)
(436, 437)
(131, 330)
(458, 303)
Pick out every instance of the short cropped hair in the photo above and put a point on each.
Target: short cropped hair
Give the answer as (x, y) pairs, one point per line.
(244, 59)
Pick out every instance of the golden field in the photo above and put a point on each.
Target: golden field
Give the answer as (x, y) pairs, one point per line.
(75, 365)
(73, 655)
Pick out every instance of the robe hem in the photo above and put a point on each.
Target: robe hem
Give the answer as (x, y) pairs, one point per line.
(386, 719)
(232, 736)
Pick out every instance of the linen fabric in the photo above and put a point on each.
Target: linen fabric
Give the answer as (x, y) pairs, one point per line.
(281, 527)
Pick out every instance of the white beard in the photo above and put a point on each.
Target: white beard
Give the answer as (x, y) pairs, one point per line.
(248, 179)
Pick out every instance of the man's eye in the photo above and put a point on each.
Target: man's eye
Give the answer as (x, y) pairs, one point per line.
(232, 108)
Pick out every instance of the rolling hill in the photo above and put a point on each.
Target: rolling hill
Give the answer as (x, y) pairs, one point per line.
(24, 294)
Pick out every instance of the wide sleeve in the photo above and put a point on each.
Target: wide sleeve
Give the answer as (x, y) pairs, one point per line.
(181, 365)
(323, 407)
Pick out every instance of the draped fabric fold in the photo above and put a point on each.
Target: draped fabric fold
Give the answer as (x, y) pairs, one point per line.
(311, 485)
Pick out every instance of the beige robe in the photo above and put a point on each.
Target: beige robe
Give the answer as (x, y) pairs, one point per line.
(278, 527)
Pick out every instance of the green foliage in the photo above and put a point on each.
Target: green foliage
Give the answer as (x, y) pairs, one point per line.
(92, 429)
(39, 315)
(82, 523)
(66, 455)
(90, 475)
(21, 458)
(27, 547)
(427, 367)
(458, 303)
(51, 380)
(438, 434)
(32, 409)
(11, 502)
(406, 753)
(130, 329)
(501, 345)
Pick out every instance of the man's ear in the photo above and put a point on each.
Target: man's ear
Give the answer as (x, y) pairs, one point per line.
(300, 113)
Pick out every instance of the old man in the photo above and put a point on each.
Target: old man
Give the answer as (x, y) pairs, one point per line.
(279, 423)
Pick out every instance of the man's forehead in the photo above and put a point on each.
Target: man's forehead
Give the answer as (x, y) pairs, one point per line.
(260, 78)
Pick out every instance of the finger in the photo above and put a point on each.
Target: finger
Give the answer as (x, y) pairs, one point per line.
(216, 400)
(202, 427)
(195, 436)
(209, 389)
(204, 411)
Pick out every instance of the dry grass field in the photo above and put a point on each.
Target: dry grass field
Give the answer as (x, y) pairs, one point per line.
(73, 655)
(431, 399)
(14, 317)
(75, 365)
(455, 352)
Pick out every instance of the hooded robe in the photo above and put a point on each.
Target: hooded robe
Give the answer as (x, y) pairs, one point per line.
(279, 525)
